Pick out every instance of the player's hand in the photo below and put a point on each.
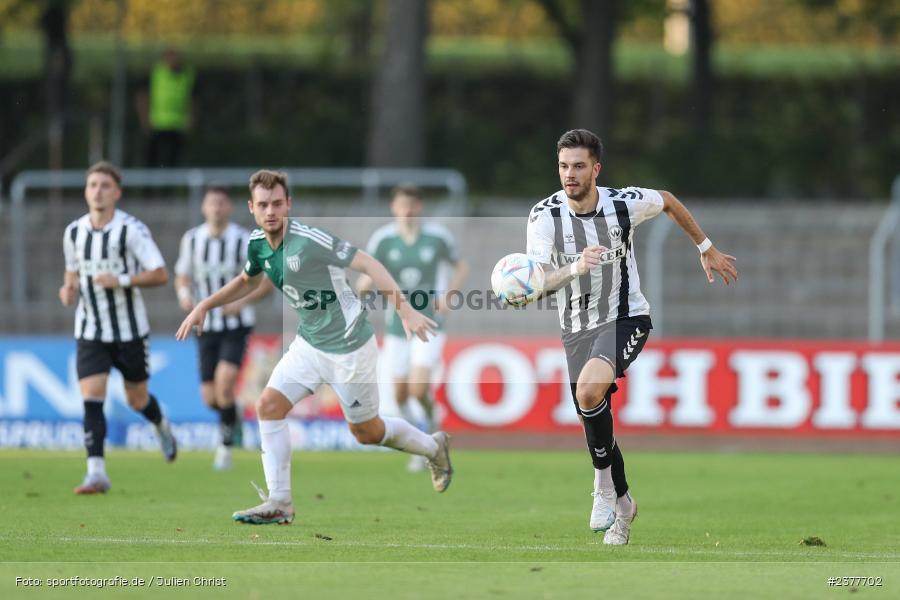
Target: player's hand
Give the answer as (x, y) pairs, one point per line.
(68, 294)
(590, 258)
(714, 261)
(233, 309)
(106, 280)
(193, 320)
(415, 323)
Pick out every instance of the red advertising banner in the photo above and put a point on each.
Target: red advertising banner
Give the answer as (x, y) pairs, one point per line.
(692, 386)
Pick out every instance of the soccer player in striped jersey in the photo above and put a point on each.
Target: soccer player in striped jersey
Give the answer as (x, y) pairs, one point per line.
(212, 254)
(334, 343)
(414, 254)
(583, 236)
(109, 256)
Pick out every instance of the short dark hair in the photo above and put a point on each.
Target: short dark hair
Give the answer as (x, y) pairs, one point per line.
(217, 189)
(107, 168)
(581, 138)
(407, 189)
(268, 179)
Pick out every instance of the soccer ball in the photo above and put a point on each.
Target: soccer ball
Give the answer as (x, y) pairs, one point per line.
(517, 280)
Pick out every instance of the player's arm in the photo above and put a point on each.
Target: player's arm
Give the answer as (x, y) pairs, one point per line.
(69, 290)
(68, 293)
(539, 247)
(262, 290)
(460, 272)
(184, 273)
(414, 322)
(145, 250)
(555, 279)
(234, 290)
(711, 259)
(183, 289)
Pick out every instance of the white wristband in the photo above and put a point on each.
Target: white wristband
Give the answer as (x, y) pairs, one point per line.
(124, 281)
(573, 269)
(184, 293)
(704, 245)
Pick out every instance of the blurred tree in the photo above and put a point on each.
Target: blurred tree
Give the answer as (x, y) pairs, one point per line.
(589, 30)
(57, 70)
(702, 81)
(397, 123)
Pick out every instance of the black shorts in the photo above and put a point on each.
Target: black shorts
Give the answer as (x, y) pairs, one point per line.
(618, 343)
(215, 346)
(132, 358)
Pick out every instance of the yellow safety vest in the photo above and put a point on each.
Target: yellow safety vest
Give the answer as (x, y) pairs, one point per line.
(170, 97)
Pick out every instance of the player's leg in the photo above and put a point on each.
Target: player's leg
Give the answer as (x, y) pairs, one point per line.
(294, 377)
(92, 364)
(424, 359)
(226, 375)
(132, 359)
(590, 392)
(631, 336)
(354, 378)
(229, 356)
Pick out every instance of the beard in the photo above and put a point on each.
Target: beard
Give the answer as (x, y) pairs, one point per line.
(580, 194)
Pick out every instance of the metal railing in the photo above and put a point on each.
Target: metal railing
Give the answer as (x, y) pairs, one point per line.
(887, 227)
(370, 181)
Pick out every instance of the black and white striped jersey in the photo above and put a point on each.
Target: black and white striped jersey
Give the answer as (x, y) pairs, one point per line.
(557, 236)
(123, 247)
(211, 262)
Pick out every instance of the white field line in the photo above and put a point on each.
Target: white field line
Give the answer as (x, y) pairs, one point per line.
(711, 552)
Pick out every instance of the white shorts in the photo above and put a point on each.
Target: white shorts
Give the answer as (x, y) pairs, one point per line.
(353, 376)
(403, 355)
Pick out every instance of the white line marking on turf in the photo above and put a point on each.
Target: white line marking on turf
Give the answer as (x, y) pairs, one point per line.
(721, 552)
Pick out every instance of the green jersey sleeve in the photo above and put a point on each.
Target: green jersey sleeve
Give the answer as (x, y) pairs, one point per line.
(325, 247)
(253, 267)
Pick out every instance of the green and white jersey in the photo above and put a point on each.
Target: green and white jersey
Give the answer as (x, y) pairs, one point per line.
(308, 267)
(416, 267)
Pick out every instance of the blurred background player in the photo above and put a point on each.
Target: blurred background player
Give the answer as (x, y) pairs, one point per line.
(334, 343)
(165, 109)
(415, 253)
(604, 317)
(109, 255)
(212, 254)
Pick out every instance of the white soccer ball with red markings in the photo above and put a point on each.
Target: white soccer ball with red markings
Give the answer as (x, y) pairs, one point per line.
(517, 279)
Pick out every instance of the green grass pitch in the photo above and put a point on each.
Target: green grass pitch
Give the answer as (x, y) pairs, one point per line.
(512, 525)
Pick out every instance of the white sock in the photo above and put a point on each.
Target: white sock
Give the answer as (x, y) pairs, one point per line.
(96, 465)
(400, 435)
(603, 481)
(624, 505)
(275, 438)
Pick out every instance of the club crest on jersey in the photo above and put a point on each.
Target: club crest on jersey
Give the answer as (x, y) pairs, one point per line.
(569, 238)
(293, 263)
(426, 254)
(394, 254)
(615, 235)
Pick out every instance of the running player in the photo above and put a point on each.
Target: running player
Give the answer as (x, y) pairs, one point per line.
(414, 253)
(583, 236)
(212, 254)
(334, 343)
(109, 256)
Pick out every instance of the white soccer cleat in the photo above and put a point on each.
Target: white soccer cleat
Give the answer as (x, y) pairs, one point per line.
(269, 512)
(441, 469)
(167, 440)
(93, 484)
(620, 532)
(416, 464)
(603, 513)
(222, 460)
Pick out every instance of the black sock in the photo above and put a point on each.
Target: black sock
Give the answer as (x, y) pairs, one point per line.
(227, 420)
(598, 430)
(151, 412)
(94, 427)
(618, 470)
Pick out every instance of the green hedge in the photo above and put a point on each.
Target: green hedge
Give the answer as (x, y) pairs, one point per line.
(793, 135)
